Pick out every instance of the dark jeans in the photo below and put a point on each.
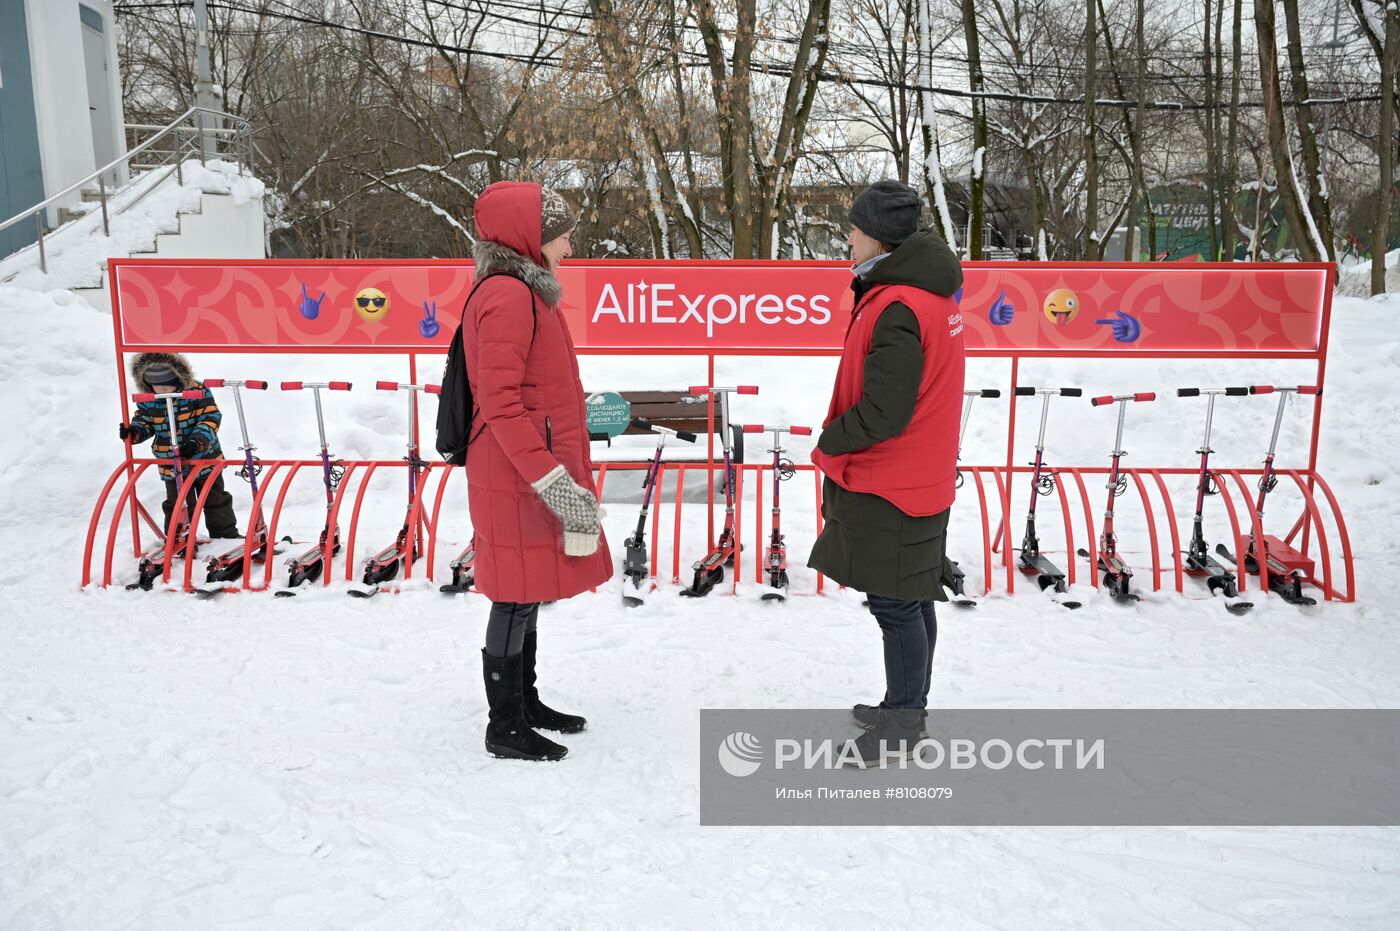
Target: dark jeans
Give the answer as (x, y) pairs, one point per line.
(218, 507)
(910, 633)
(507, 626)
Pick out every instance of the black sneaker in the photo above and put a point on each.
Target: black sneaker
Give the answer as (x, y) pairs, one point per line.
(869, 715)
(884, 744)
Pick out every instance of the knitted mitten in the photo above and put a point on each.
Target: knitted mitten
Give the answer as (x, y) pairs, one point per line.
(575, 506)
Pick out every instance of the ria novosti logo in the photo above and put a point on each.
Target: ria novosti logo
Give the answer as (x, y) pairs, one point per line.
(740, 754)
(665, 302)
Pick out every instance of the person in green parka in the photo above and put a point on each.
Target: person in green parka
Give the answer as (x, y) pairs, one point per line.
(888, 449)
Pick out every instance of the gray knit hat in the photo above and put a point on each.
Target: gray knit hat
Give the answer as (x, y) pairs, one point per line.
(556, 217)
(887, 211)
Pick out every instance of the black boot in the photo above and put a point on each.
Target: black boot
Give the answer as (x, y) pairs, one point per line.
(508, 735)
(537, 713)
(869, 715)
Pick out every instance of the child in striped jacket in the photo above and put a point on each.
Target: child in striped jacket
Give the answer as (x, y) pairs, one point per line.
(198, 429)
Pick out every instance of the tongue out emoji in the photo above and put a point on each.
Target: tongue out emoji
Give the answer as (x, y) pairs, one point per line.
(1061, 306)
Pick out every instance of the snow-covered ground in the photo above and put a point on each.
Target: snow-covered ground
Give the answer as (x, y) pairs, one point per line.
(317, 762)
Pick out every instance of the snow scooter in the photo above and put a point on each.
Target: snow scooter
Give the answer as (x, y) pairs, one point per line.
(384, 565)
(1048, 575)
(635, 569)
(1117, 577)
(775, 560)
(152, 562)
(463, 571)
(309, 565)
(1287, 567)
(957, 583)
(709, 571)
(1199, 561)
(228, 567)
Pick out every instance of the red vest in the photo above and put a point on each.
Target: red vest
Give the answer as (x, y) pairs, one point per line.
(916, 469)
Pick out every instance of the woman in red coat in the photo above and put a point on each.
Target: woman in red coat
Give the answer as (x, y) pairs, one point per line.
(534, 506)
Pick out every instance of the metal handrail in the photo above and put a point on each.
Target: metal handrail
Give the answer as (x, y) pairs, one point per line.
(100, 175)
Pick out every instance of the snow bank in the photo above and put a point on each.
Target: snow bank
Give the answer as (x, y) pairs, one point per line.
(1354, 277)
(77, 252)
(317, 762)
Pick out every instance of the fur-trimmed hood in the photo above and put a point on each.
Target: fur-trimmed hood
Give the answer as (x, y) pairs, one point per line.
(146, 361)
(494, 258)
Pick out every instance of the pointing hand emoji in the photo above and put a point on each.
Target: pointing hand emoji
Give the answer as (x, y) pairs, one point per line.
(1126, 328)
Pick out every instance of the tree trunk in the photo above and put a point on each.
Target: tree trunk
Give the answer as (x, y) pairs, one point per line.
(801, 94)
(1232, 226)
(1380, 232)
(1134, 127)
(617, 65)
(1092, 250)
(975, 220)
(1140, 35)
(1212, 143)
(1318, 201)
(1304, 233)
(934, 188)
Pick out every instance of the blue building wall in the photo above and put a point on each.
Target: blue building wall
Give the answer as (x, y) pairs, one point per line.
(21, 172)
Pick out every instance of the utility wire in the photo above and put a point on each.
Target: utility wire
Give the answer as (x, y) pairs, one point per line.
(777, 70)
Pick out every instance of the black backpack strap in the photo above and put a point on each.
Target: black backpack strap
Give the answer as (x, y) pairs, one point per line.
(534, 328)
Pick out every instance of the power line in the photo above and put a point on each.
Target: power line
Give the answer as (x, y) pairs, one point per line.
(778, 70)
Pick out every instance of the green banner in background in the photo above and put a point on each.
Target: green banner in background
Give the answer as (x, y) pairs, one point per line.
(608, 413)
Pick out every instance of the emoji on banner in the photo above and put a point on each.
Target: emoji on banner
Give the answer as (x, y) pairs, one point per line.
(310, 307)
(372, 305)
(1061, 306)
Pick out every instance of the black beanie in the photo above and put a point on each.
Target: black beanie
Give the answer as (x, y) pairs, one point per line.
(887, 211)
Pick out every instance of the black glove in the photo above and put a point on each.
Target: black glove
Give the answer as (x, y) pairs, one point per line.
(124, 431)
(188, 449)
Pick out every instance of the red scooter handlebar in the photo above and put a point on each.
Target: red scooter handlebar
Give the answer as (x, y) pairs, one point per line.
(1109, 398)
(700, 390)
(764, 428)
(1270, 389)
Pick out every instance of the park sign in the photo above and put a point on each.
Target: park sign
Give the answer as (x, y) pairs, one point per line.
(609, 413)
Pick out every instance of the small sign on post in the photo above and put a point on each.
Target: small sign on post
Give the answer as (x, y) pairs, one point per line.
(609, 414)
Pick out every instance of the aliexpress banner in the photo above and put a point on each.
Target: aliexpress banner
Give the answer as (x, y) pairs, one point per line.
(370, 306)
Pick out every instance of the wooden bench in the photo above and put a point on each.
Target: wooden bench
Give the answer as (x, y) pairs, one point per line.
(678, 410)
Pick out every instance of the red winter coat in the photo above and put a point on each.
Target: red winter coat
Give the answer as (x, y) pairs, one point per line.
(525, 382)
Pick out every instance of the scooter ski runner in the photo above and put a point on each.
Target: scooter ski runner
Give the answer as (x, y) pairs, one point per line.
(1287, 569)
(228, 567)
(384, 565)
(709, 571)
(958, 580)
(1117, 576)
(1049, 576)
(152, 562)
(635, 568)
(1199, 561)
(775, 559)
(309, 565)
(463, 571)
